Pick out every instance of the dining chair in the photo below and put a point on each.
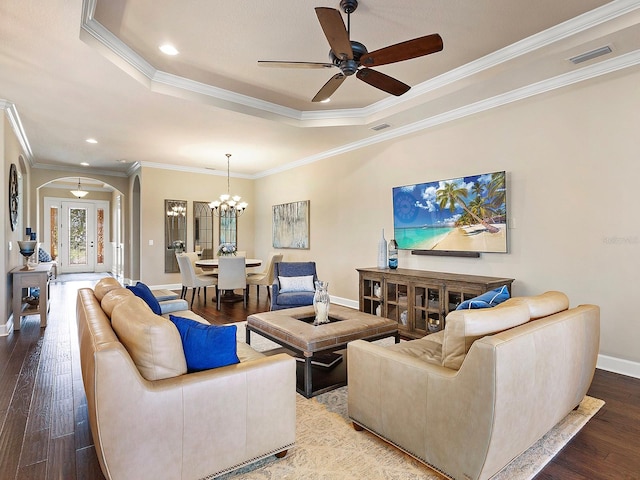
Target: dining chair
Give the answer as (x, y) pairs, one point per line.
(265, 277)
(190, 279)
(232, 275)
(193, 257)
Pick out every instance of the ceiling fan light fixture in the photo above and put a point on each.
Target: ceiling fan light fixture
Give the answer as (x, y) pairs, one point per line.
(352, 57)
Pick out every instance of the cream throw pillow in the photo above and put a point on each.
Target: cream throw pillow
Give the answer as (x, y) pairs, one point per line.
(152, 341)
(296, 284)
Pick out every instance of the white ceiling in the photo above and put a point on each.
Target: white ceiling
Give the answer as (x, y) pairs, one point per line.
(72, 70)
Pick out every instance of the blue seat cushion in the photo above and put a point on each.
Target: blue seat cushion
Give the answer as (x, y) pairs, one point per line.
(487, 299)
(295, 298)
(206, 346)
(144, 292)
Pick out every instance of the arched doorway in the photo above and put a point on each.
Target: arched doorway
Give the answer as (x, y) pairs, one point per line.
(81, 233)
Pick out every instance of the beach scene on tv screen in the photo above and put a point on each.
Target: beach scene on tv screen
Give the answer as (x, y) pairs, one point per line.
(467, 214)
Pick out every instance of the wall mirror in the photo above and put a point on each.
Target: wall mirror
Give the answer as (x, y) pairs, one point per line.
(175, 232)
(203, 230)
(228, 228)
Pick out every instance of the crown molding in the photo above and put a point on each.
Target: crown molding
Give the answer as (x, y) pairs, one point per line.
(67, 169)
(201, 171)
(123, 56)
(12, 115)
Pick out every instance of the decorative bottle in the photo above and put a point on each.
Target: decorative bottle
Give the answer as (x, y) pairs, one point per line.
(382, 252)
(393, 254)
(321, 302)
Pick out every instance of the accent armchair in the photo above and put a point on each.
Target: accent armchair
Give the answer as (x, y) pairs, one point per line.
(298, 286)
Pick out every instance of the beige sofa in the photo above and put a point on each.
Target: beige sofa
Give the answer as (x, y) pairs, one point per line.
(152, 420)
(471, 398)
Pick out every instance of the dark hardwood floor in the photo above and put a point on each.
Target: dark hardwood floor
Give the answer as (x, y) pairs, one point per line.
(45, 433)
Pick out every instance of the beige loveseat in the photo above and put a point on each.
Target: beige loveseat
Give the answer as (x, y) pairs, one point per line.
(471, 398)
(152, 420)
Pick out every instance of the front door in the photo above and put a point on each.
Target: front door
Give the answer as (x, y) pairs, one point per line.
(76, 232)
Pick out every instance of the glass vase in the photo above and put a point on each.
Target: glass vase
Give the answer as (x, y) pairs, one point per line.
(321, 303)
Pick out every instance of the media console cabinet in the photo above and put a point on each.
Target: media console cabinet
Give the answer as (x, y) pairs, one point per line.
(419, 300)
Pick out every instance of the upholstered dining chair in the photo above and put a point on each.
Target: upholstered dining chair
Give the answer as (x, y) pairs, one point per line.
(265, 277)
(232, 275)
(193, 258)
(293, 284)
(190, 279)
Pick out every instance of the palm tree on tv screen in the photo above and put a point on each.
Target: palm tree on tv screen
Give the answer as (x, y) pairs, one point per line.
(452, 194)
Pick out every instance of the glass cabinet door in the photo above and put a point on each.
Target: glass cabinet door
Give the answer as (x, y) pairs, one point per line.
(396, 298)
(427, 308)
(371, 296)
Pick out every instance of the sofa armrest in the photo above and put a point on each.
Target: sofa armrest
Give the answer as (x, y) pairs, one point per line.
(192, 425)
(423, 407)
(173, 306)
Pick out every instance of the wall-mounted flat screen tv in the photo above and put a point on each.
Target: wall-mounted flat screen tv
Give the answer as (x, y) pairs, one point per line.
(467, 214)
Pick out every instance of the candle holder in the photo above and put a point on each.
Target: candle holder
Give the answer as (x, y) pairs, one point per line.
(27, 248)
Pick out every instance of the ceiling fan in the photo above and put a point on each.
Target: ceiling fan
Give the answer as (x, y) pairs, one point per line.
(352, 57)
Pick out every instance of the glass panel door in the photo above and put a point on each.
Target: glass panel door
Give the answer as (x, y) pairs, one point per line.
(77, 234)
(77, 237)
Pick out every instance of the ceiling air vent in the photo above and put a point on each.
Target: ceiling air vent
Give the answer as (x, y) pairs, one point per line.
(590, 55)
(382, 126)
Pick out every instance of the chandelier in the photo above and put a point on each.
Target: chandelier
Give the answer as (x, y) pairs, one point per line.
(80, 193)
(228, 205)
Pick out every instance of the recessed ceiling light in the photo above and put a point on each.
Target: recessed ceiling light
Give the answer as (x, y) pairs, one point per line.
(84, 164)
(326, 100)
(92, 140)
(168, 49)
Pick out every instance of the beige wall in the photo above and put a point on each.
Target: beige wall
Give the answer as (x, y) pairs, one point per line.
(571, 158)
(158, 185)
(11, 151)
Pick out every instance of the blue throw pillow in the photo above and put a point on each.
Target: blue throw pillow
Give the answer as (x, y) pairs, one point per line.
(145, 293)
(206, 346)
(44, 256)
(487, 299)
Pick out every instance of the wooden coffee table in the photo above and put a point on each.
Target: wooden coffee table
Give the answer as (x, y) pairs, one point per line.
(293, 329)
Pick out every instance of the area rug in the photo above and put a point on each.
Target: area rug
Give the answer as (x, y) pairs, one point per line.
(328, 448)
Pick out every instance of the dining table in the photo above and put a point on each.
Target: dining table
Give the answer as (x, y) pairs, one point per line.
(212, 263)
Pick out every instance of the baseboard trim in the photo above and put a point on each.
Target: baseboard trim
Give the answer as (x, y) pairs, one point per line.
(6, 328)
(619, 365)
(168, 286)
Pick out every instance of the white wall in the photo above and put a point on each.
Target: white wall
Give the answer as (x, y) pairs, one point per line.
(572, 160)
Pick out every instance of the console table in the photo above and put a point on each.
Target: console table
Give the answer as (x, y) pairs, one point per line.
(38, 277)
(419, 300)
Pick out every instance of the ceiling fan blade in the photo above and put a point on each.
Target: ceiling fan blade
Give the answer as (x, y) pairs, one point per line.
(335, 31)
(331, 86)
(279, 64)
(382, 81)
(403, 51)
